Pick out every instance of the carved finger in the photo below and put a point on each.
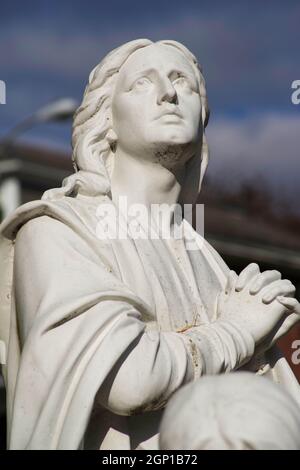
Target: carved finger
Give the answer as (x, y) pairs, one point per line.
(286, 326)
(278, 288)
(246, 275)
(290, 303)
(231, 280)
(263, 280)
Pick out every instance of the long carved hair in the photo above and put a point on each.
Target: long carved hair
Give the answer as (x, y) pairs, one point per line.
(92, 146)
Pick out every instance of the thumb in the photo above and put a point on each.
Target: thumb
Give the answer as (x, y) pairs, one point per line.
(290, 303)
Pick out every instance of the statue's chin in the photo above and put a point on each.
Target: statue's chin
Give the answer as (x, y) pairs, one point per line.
(172, 135)
(173, 144)
(171, 155)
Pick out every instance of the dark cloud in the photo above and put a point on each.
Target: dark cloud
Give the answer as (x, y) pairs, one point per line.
(249, 50)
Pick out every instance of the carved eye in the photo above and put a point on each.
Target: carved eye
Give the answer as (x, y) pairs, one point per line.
(181, 81)
(184, 83)
(141, 83)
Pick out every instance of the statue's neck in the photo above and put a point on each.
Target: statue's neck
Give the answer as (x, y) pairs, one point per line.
(144, 182)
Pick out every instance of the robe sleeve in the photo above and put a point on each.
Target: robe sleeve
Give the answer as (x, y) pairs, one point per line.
(67, 298)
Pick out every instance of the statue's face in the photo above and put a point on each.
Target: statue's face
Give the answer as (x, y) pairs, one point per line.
(156, 104)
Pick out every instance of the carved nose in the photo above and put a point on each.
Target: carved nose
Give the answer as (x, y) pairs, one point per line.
(167, 93)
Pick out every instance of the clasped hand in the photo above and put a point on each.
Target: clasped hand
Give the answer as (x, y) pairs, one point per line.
(260, 302)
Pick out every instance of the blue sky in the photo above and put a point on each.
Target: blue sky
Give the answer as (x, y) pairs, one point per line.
(249, 50)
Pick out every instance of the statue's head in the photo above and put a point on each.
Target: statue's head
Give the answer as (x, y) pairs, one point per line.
(149, 100)
(236, 411)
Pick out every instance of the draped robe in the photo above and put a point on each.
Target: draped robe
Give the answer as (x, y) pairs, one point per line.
(95, 329)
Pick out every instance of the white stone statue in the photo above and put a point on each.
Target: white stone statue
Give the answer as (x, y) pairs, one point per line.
(101, 331)
(236, 411)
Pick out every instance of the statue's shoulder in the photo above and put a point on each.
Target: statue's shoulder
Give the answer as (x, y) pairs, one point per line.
(75, 213)
(74, 204)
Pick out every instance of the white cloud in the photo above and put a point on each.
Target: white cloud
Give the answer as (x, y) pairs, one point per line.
(265, 145)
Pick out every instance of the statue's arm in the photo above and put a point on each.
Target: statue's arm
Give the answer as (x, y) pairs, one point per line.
(161, 362)
(156, 365)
